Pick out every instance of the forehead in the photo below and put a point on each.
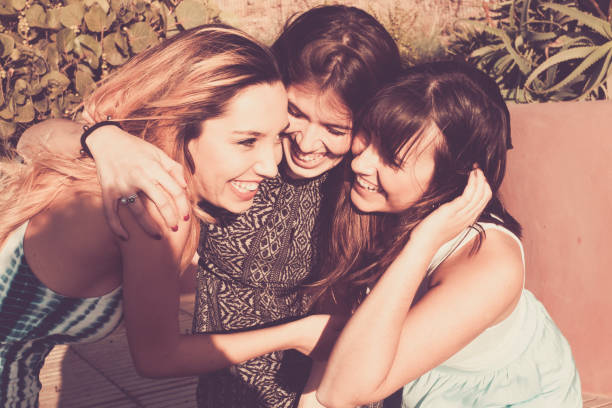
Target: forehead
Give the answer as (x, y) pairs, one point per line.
(326, 105)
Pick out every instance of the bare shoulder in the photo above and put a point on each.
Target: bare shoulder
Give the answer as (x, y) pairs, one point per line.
(71, 248)
(58, 135)
(498, 264)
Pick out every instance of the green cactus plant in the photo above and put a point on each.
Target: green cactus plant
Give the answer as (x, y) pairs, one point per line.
(52, 53)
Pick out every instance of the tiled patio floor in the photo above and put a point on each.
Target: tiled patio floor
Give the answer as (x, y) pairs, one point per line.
(101, 375)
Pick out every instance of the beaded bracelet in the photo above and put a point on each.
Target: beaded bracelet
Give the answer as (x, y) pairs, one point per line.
(88, 130)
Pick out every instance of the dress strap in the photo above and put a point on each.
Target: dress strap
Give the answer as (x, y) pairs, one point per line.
(464, 238)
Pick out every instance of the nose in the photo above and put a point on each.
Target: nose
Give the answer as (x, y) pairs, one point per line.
(309, 139)
(358, 144)
(365, 159)
(268, 157)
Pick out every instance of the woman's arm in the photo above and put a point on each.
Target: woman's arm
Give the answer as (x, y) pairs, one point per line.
(386, 343)
(151, 307)
(126, 164)
(59, 136)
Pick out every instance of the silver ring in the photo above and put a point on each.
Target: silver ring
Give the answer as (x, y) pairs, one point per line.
(129, 199)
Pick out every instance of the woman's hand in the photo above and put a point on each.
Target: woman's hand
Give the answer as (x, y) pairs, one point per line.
(126, 165)
(451, 218)
(318, 333)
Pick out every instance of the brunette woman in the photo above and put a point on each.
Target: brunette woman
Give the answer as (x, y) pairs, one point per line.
(435, 268)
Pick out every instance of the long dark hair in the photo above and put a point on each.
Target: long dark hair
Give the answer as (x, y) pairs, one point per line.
(467, 108)
(340, 48)
(343, 50)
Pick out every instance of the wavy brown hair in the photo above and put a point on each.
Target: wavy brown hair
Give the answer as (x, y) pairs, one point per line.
(340, 48)
(343, 50)
(161, 95)
(474, 123)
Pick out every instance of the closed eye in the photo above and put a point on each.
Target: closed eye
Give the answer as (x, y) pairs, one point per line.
(248, 142)
(336, 131)
(295, 112)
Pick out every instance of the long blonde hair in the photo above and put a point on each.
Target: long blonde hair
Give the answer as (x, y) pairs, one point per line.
(162, 95)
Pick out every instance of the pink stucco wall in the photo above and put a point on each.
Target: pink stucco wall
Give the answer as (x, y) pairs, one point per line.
(559, 186)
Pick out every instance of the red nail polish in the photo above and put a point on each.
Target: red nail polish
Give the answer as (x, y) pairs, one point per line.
(175, 228)
(186, 218)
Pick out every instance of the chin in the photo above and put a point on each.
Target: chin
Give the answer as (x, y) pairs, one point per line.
(361, 204)
(298, 172)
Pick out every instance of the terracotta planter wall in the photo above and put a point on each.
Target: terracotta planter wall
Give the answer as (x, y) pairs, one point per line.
(559, 186)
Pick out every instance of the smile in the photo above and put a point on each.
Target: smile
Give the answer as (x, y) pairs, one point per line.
(306, 160)
(366, 184)
(245, 186)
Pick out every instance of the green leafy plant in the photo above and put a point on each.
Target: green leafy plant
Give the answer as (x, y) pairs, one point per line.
(52, 53)
(539, 50)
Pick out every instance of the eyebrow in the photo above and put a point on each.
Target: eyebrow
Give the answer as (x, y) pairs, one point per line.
(254, 132)
(334, 125)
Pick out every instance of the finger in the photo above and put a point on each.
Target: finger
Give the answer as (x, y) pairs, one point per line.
(463, 201)
(144, 219)
(176, 192)
(163, 201)
(480, 198)
(110, 202)
(174, 169)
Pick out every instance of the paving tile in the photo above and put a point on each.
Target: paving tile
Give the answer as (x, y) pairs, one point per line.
(69, 382)
(112, 358)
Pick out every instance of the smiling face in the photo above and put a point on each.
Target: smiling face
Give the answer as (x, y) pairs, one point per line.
(380, 187)
(237, 150)
(319, 131)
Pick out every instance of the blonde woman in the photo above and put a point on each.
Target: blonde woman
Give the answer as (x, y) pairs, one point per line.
(212, 99)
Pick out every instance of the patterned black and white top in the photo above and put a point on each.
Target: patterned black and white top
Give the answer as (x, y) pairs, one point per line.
(33, 319)
(252, 267)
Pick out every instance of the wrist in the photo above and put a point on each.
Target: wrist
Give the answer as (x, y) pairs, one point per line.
(89, 140)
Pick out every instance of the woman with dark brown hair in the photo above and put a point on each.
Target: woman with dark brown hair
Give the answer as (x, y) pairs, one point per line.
(437, 277)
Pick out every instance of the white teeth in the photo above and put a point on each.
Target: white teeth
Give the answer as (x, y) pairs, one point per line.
(245, 187)
(366, 184)
(309, 157)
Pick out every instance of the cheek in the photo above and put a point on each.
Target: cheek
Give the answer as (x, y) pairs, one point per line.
(296, 125)
(339, 145)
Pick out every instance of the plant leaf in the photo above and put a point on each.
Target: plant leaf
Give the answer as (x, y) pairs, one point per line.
(84, 83)
(586, 63)
(141, 36)
(7, 9)
(53, 18)
(563, 56)
(191, 13)
(18, 4)
(25, 112)
(8, 43)
(91, 43)
(523, 64)
(597, 24)
(36, 16)
(55, 79)
(72, 15)
(112, 51)
(95, 18)
(7, 129)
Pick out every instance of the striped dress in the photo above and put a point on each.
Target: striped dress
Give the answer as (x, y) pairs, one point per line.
(33, 319)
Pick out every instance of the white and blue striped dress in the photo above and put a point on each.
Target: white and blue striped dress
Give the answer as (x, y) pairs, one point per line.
(33, 319)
